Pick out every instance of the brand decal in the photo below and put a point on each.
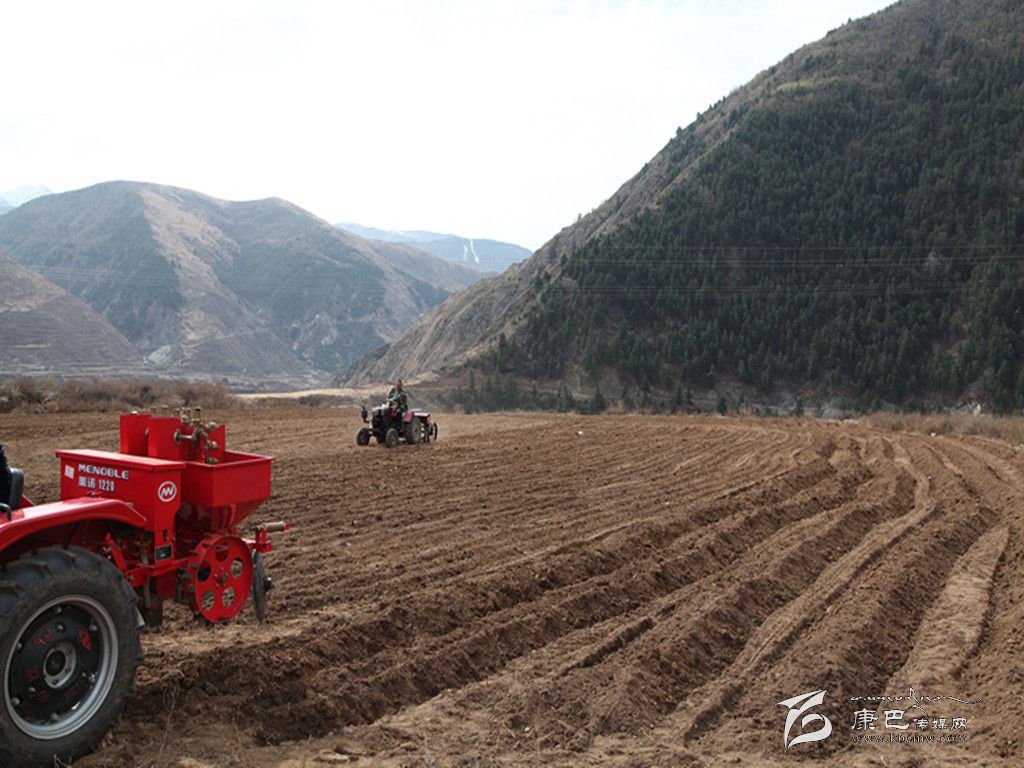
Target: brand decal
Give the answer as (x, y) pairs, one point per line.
(112, 472)
(167, 491)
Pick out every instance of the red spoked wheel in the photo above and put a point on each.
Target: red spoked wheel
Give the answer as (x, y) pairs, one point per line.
(221, 571)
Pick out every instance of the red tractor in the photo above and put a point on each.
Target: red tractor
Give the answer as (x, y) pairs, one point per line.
(79, 577)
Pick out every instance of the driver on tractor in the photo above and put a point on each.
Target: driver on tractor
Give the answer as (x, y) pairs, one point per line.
(5, 477)
(399, 399)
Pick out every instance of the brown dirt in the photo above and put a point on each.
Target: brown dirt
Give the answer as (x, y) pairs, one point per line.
(639, 594)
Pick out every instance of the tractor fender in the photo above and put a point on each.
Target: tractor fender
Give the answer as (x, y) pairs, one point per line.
(45, 517)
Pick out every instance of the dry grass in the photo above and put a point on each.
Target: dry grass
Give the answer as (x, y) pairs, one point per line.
(1008, 428)
(105, 395)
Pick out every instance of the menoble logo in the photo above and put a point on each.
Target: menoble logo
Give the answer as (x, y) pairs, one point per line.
(797, 706)
(167, 491)
(114, 473)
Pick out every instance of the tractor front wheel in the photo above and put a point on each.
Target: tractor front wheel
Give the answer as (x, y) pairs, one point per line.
(69, 648)
(363, 436)
(391, 438)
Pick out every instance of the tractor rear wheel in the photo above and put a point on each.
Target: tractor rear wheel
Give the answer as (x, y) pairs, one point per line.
(69, 648)
(391, 438)
(433, 431)
(412, 431)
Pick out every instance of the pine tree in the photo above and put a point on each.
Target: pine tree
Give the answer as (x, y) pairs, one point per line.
(677, 399)
(722, 406)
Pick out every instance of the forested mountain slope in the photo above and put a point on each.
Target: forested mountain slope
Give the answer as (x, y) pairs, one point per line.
(851, 218)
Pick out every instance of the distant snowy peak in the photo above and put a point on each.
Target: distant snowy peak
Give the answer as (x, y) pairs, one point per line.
(485, 255)
(21, 195)
(393, 235)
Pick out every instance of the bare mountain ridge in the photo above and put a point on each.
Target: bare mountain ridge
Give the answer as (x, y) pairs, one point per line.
(196, 284)
(43, 327)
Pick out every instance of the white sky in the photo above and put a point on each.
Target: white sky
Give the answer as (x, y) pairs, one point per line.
(485, 119)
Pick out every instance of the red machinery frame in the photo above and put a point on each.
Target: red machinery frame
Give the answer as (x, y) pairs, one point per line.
(165, 510)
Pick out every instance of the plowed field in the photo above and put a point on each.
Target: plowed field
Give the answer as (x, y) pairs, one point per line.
(610, 591)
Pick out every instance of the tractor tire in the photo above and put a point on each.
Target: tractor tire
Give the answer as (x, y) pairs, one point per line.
(391, 437)
(69, 648)
(412, 432)
(363, 436)
(433, 431)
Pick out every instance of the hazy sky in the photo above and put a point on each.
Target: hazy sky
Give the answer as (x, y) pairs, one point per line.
(486, 119)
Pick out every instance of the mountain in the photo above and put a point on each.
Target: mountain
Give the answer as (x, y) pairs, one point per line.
(43, 328)
(196, 284)
(849, 221)
(485, 255)
(4, 206)
(20, 195)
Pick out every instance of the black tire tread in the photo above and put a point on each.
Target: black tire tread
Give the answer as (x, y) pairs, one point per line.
(24, 578)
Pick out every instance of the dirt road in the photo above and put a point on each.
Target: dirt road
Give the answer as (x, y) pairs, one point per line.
(610, 591)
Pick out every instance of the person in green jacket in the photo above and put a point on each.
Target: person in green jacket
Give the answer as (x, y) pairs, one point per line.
(398, 396)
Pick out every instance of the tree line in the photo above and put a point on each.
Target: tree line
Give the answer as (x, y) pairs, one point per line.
(866, 236)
